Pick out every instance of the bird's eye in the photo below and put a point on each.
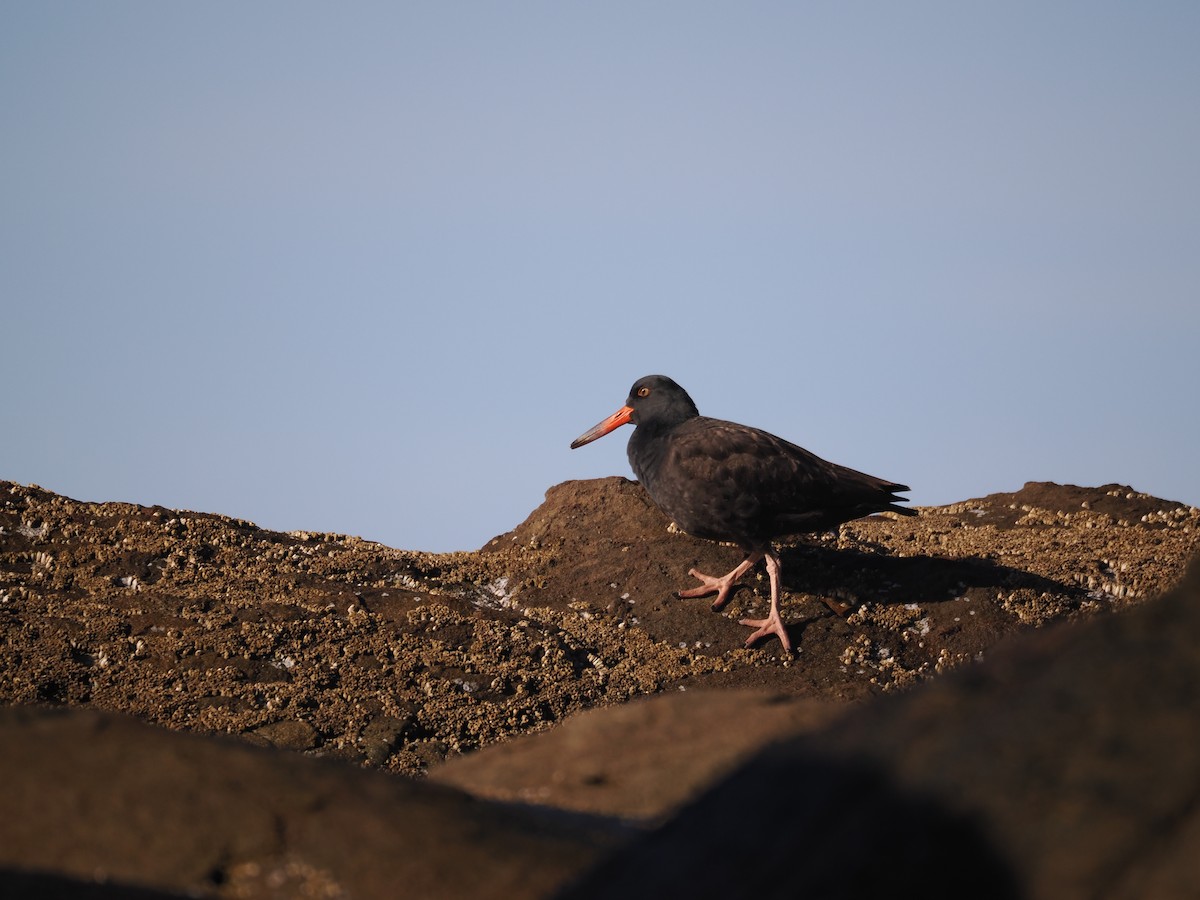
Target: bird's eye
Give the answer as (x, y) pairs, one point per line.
(643, 392)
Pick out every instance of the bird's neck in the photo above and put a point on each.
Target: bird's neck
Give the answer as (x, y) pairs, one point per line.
(647, 445)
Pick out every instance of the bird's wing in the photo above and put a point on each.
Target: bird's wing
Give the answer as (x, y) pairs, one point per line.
(762, 475)
(714, 449)
(729, 471)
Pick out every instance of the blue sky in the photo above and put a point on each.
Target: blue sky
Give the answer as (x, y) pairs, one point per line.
(370, 267)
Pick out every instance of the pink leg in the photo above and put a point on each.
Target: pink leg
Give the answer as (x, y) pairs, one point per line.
(722, 585)
(772, 624)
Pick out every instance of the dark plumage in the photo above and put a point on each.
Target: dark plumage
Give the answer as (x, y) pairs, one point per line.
(729, 482)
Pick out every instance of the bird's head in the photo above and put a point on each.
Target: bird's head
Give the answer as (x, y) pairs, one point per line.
(653, 399)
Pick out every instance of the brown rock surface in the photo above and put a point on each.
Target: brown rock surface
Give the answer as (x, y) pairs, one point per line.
(326, 645)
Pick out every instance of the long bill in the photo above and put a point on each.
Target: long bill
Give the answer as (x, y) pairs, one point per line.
(599, 430)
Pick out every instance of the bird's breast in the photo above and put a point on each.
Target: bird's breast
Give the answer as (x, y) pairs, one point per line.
(699, 492)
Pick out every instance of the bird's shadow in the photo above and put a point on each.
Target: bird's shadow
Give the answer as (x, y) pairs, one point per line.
(851, 576)
(845, 579)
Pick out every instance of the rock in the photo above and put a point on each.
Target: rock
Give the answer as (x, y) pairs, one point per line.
(104, 800)
(336, 647)
(288, 734)
(1063, 767)
(638, 761)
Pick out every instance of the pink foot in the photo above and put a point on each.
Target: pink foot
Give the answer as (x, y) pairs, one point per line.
(770, 625)
(722, 585)
(708, 584)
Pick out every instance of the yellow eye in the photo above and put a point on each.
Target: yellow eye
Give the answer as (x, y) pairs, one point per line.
(643, 392)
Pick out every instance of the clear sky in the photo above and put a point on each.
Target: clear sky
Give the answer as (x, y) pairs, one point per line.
(370, 267)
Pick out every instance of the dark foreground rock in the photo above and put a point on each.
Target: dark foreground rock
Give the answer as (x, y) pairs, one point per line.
(94, 797)
(638, 762)
(1063, 767)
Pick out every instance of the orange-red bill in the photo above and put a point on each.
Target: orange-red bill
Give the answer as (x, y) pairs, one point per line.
(616, 420)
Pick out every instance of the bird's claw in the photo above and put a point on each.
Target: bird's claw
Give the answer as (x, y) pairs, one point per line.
(708, 584)
(770, 625)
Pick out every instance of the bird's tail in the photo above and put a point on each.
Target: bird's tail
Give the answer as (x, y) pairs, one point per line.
(894, 490)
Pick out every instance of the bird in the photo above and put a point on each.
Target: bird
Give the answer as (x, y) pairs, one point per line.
(737, 484)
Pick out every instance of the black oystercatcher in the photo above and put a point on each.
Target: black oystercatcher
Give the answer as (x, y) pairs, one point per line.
(728, 482)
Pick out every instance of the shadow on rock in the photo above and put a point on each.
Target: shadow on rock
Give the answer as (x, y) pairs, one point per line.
(820, 828)
(853, 575)
(17, 885)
